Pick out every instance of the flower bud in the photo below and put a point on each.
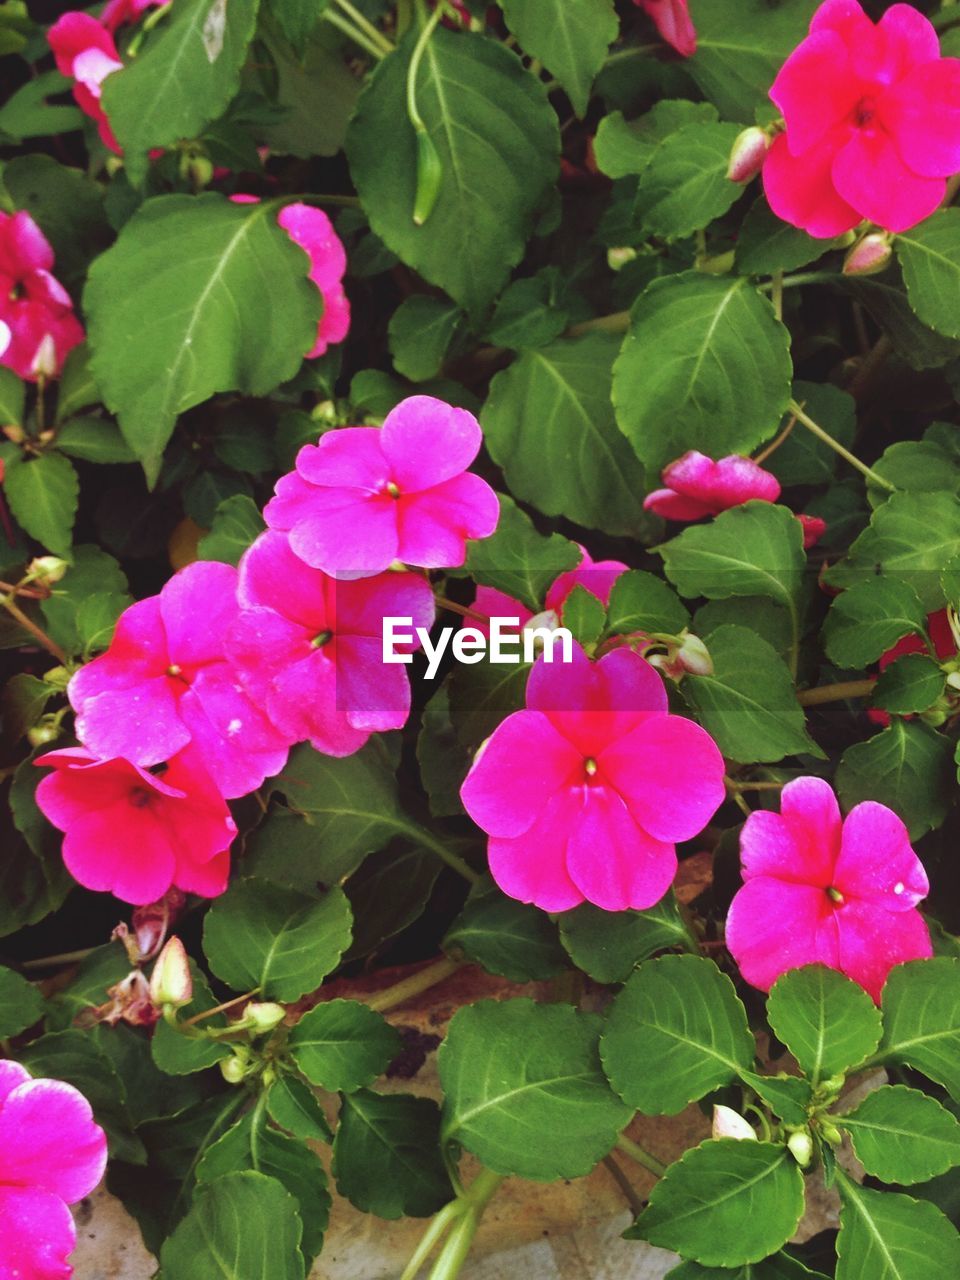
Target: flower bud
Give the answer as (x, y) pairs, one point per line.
(748, 154)
(693, 656)
(238, 1066)
(830, 1132)
(263, 1016)
(196, 168)
(5, 337)
(429, 177)
(171, 983)
(45, 361)
(15, 434)
(728, 1124)
(716, 264)
(870, 255)
(618, 258)
(47, 729)
(46, 570)
(801, 1148)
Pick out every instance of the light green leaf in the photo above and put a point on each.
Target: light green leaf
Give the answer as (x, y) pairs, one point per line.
(912, 683)
(767, 244)
(421, 330)
(518, 560)
(907, 767)
(903, 1135)
(705, 365)
(295, 1107)
(780, 1267)
(921, 1019)
(342, 1045)
(675, 1031)
(549, 424)
(198, 295)
(512, 1068)
(570, 38)
(280, 941)
(86, 602)
(917, 466)
(506, 937)
(21, 1004)
(94, 440)
(583, 615)
(639, 601)
(869, 618)
(685, 185)
(12, 395)
(828, 1023)
(622, 147)
(887, 1236)
(929, 254)
(608, 945)
(43, 493)
(497, 140)
(236, 525)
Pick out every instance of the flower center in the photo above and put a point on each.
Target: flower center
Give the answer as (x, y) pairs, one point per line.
(139, 797)
(175, 672)
(835, 896)
(16, 293)
(320, 639)
(590, 766)
(864, 112)
(391, 489)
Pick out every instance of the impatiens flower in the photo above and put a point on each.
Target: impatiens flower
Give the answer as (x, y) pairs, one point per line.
(117, 13)
(672, 19)
(872, 122)
(585, 793)
(944, 646)
(595, 576)
(36, 312)
(52, 1154)
(696, 486)
(165, 682)
(365, 497)
(309, 648)
(133, 833)
(85, 52)
(821, 890)
(813, 530)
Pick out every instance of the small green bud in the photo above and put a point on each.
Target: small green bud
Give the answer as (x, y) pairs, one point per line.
(801, 1148)
(235, 1068)
(830, 1132)
(46, 570)
(429, 177)
(263, 1016)
(171, 983)
(47, 729)
(618, 258)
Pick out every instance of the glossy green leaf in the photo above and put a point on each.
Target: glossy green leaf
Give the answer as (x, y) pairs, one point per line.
(908, 767)
(921, 1019)
(506, 937)
(12, 396)
(887, 1236)
(903, 1135)
(767, 244)
(828, 1023)
(869, 618)
(43, 493)
(639, 601)
(518, 560)
(624, 147)
(295, 1107)
(685, 185)
(608, 945)
(912, 683)
(21, 1004)
(342, 1045)
(780, 1267)
(81, 611)
(236, 525)
(570, 38)
(178, 1053)
(929, 254)
(421, 330)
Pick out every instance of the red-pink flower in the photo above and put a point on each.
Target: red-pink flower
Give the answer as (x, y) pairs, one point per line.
(117, 13)
(52, 1154)
(85, 52)
(365, 497)
(309, 648)
(595, 576)
(35, 309)
(813, 530)
(672, 19)
(136, 834)
(696, 486)
(165, 681)
(585, 793)
(821, 890)
(872, 122)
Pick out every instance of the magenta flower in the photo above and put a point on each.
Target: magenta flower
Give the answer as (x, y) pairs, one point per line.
(813, 530)
(585, 793)
(35, 309)
(85, 52)
(821, 890)
(672, 19)
(117, 13)
(696, 486)
(595, 576)
(165, 682)
(52, 1154)
(136, 834)
(309, 648)
(872, 122)
(365, 497)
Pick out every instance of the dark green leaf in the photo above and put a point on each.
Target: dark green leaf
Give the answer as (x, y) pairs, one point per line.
(685, 185)
(421, 330)
(507, 938)
(921, 1019)
(767, 244)
(929, 254)
(903, 1135)
(641, 602)
(570, 38)
(912, 683)
(884, 1236)
(907, 767)
(236, 525)
(828, 1023)
(295, 1107)
(869, 618)
(21, 1004)
(342, 1045)
(608, 945)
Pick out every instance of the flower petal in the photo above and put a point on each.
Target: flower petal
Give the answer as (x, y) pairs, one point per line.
(434, 524)
(614, 864)
(872, 941)
(197, 606)
(922, 112)
(532, 867)
(810, 810)
(869, 174)
(427, 442)
(877, 863)
(773, 926)
(272, 575)
(37, 1235)
(121, 850)
(675, 506)
(800, 189)
(49, 1139)
(347, 458)
(815, 90)
(11, 1075)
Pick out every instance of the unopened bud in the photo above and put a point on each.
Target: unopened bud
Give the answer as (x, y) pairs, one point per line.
(618, 258)
(728, 1124)
(429, 177)
(869, 255)
(236, 1068)
(5, 337)
(47, 729)
(748, 154)
(45, 361)
(196, 168)
(263, 1016)
(693, 656)
(830, 1132)
(151, 922)
(717, 264)
(46, 570)
(14, 433)
(801, 1148)
(171, 983)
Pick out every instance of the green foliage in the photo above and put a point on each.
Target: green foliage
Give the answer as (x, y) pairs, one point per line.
(685, 185)
(930, 257)
(570, 37)
(908, 767)
(506, 937)
(893, 1237)
(828, 1023)
(342, 1045)
(519, 561)
(921, 1019)
(43, 494)
(608, 945)
(21, 1004)
(869, 618)
(902, 1135)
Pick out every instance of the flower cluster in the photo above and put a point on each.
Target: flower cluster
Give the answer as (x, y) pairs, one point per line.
(38, 328)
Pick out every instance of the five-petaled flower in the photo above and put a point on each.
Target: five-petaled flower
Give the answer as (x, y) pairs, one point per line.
(135, 834)
(36, 312)
(872, 122)
(365, 497)
(52, 1154)
(585, 793)
(819, 889)
(672, 19)
(85, 51)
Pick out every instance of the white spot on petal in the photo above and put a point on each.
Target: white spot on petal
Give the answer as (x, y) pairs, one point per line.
(236, 725)
(899, 887)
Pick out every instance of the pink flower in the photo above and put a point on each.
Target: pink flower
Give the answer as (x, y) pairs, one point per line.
(585, 793)
(813, 530)
(672, 19)
(821, 890)
(309, 648)
(872, 122)
(52, 1154)
(35, 310)
(135, 834)
(365, 497)
(696, 486)
(118, 13)
(595, 576)
(84, 51)
(165, 682)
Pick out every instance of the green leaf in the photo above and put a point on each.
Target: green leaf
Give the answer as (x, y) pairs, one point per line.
(921, 1019)
(912, 683)
(583, 615)
(497, 140)
(771, 622)
(622, 147)
(198, 295)
(236, 525)
(725, 1203)
(803, 458)
(640, 601)
(12, 395)
(86, 602)
(506, 937)
(514, 1068)
(103, 967)
(297, 18)
(386, 1155)
(27, 113)
(685, 185)
(887, 1236)
(21, 1004)
(65, 204)
(178, 1054)
(388, 892)
(22, 702)
(570, 38)
(705, 365)
(443, 761)
(787, 1096)
(780, 1267)
(675, 1031)
(903, 1135)
(519, 561)
(530, 312)
(182, 79)
(869, 618)
(250, 1144)
(749, 703)
(283, 942)
(767, 244)
(907, 767)
(482, 696)
(608, 945)
(94, 440)
(342, 1045)
(295, 1107)
(886, 301)
(929, 254)
(421, 331)
(43, 493)
(549, 424)
(315, 91)
(243, 1226)
(911, 537)
(917, 466)
(828, 1023)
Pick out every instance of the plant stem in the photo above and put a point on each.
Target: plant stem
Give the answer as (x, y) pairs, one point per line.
(434, 1232)
(764, 454)
(463, 610)
(375, 34)
(430, 976)
(836, 692)
(476, 1198)
(65, 957)
(38, 633)
(776, 294)
(734, 785)
(358, 37)
(416, 119)
(626, 1187)
(618, 322)
(227, 1004)
(837, 447)
(428, 841)
(637, 1153)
